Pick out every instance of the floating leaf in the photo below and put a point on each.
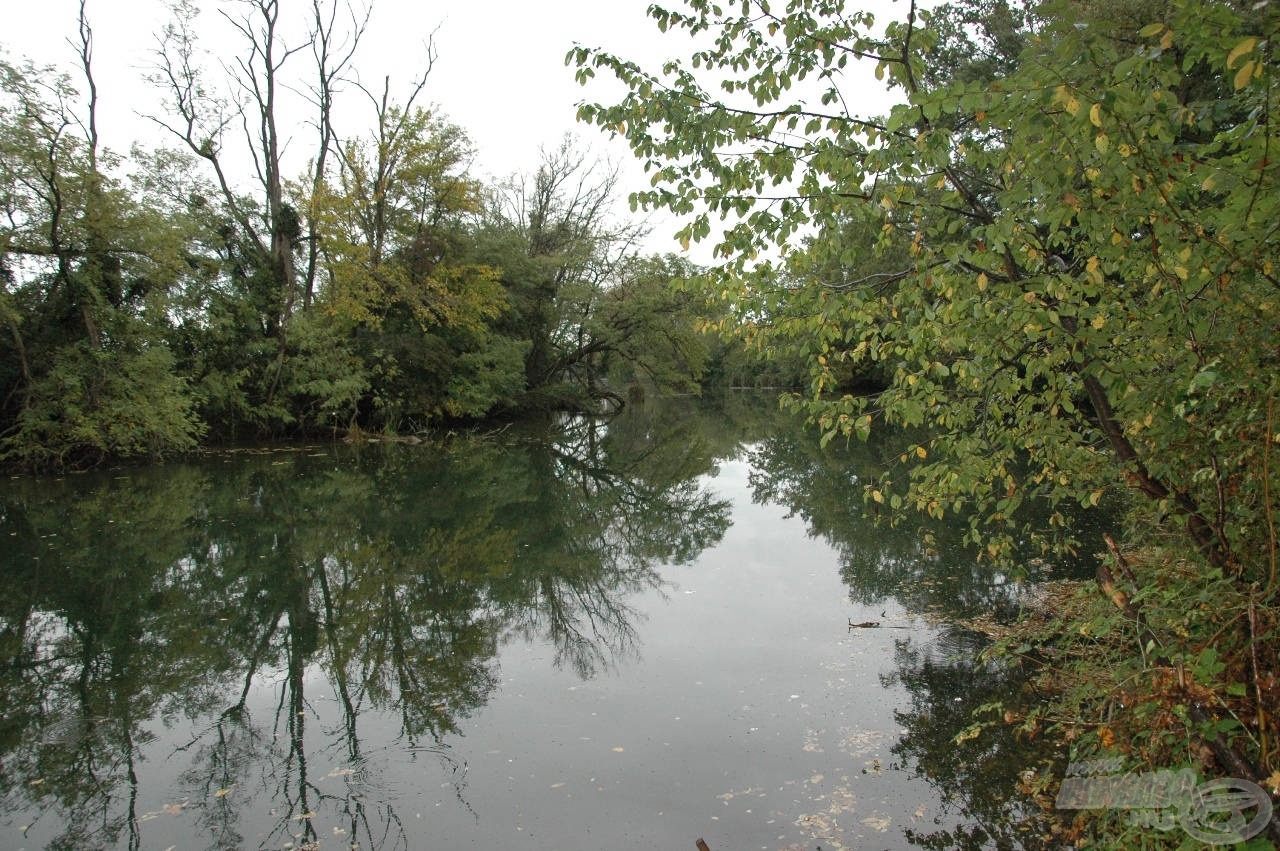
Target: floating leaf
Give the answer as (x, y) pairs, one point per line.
(877, 823)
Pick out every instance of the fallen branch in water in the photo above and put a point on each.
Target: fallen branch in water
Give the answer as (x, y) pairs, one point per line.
(874, 625)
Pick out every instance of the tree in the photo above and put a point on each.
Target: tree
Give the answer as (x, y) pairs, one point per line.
(1086, 268)
(86, 275)
(580, 294)
(268, 230)
(1086, 196)
(394, 237)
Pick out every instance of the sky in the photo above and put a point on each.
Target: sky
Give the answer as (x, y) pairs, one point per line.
(499, 72)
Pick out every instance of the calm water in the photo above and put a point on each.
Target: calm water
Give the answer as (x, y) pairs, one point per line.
(584, 636)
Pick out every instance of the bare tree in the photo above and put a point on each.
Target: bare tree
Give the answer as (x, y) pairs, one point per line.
(333, 54)
(258, 84)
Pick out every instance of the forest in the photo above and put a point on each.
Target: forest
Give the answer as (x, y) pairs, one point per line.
(199, 291)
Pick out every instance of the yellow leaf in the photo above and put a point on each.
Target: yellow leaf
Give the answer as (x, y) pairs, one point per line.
(921, 452)
(1098, 321)
(1095, 115)
(1239, 50)
(1151, 30)
(1273, 782)
(1102, 143)
(982, 282)
(1072, 105)
(1244, 75)
(1093, 270)
(1166, 41)
(222, 793)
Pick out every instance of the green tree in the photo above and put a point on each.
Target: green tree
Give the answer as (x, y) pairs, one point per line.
(394, 236)
(581, 295)
(1082, 203)
(85, 273)
(264, 233)
(1089, 294)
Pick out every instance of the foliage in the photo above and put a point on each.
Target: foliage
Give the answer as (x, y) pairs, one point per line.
(1138, 690)
(1056, 252)
(1089, 297)
(595, 312)
(151, 301)
(86, 374)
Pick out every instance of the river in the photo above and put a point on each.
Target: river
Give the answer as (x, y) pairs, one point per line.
(577, 635)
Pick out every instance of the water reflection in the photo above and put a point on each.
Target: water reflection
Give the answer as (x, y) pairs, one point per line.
(382, 578)
(923, 567)
(250, 644)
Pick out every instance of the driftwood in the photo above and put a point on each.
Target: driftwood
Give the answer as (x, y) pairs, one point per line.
(874, 625)
(1234, 763)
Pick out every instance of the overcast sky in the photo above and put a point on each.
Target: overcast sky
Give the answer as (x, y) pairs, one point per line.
(500, 71)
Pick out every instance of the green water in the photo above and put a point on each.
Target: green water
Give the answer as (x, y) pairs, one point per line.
(622, 635)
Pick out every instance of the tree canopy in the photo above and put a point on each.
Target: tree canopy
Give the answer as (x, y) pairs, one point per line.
(1052, 261)
(212, 288)
(1056, 250)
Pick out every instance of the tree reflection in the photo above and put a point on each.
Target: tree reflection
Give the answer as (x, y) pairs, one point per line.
(926, 569)
(261, 596)
(922, 563)
(981, 776)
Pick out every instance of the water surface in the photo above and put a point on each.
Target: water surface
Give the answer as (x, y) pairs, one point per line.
(583, 635)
